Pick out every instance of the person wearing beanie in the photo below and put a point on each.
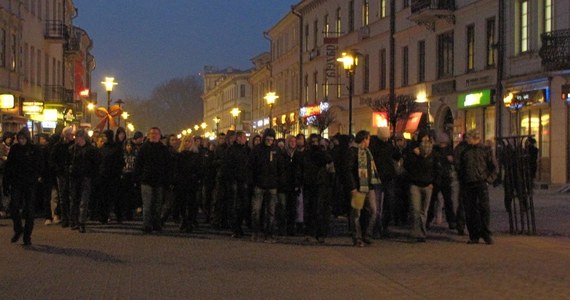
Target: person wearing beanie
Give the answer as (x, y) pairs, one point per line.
(265, 169)
(22, 174)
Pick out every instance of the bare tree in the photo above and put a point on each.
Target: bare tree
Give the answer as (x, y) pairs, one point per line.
(323, 120)
(403, 106)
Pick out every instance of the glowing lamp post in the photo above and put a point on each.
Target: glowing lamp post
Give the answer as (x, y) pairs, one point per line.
(109, 83)
(270, 99)
(235, 113)
(349, 62)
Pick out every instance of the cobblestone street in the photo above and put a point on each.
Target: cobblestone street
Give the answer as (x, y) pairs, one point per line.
(119, 262)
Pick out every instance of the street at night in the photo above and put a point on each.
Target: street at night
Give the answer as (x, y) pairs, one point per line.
(119, 262)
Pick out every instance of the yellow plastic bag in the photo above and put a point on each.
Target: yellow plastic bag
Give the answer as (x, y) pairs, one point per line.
(357, 200)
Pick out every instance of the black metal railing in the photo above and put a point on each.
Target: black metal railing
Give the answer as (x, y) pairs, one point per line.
(555, 51)
(56, 30)
(420, 5)
(57, 94)
(72, 45)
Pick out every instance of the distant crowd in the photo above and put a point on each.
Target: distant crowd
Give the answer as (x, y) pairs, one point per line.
(273, 187)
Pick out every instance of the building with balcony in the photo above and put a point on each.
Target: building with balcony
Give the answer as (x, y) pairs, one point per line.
(45, 63)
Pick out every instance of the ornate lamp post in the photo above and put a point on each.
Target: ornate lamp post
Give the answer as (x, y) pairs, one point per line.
(349, 62)
(235, 113)
(217, 121)
(109, 83)
(270, 98)
(422, 98)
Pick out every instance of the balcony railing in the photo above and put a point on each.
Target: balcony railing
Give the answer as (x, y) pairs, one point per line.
(56, 30)
(58, 94)
(420, 5)
(555, 51)
(72, 45)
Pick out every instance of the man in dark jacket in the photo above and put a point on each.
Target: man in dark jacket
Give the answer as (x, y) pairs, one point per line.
(423, 169)
(84, 162)
(151, 170)
(110, 175)
(477, 169)
(22, 174)
(265, 169)
(235, 163)
(289, 188)
(59, 162)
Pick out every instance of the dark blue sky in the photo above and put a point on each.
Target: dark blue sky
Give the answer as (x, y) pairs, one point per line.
(143, 43)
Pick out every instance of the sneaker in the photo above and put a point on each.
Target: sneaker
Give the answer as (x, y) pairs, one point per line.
(16, 236)
(56, 220)
(48, 222)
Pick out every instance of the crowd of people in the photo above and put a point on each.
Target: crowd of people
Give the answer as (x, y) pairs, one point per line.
(274, 187)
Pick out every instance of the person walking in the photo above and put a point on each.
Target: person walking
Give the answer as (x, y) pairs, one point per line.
(110, 169)
(22, 174)
(151, 170)
(477, 169)
(83, 167)
(188, 174)
(236, 160)
(362, 183)
(265, 169)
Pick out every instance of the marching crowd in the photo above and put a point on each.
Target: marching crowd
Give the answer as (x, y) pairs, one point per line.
(275, 187)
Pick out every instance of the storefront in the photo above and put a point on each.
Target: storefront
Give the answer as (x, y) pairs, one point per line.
(479, 112)
(530, 115)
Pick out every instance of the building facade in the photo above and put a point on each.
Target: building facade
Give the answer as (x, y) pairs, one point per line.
(45, 65)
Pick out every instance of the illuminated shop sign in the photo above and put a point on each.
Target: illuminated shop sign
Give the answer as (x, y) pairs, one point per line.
(380, 119)
(7, 101)
(313, 110)
(32, 107)
(518, 100)
(475, 99)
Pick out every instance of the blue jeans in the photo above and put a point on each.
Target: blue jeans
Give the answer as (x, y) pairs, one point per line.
(152, 197)
(420, 198)
(257, 204)
(80, 195)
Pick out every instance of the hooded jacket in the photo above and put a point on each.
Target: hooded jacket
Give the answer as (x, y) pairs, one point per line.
(24, 164)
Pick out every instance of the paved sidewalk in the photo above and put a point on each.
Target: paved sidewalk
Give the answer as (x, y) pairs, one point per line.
(119, 262)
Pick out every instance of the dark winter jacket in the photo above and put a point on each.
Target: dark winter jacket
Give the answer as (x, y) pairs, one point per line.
(24, 165)
(385, 156)
(83, 161)
(60, 157)
(476, 164)
(152, 164)
(189, 170)
(235, 163)
(265, 166)
(112, 162)
(291, 178)
(422, 171)
(315, 160)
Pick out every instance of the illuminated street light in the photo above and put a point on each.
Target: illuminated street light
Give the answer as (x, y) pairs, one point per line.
(349, 62)
(203, 125)
(109, 83)
(270, 98)
(235, 113)
(90, 106)
(125, 115)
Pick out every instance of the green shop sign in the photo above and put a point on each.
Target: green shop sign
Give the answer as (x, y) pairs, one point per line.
(474, 99)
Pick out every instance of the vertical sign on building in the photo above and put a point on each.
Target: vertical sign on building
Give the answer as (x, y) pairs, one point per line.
(331, 48)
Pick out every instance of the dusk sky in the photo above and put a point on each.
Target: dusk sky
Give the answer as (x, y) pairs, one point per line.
(143, 43)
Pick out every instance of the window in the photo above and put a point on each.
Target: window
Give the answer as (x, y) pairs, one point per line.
(306, 88)
(383, 69)
(32, 65)
(523, 25)
(242, 90)
(315, 34)
(326, 26)
(445, 55)
(470, 48)
(421, 61)
(491, 42)
(366, 69)
(382, 8)
(13, 56)
(351, 16)
(39, 68)
(2, 48)
(338, 22)
(316, 90)
(547, 15)
(365, 12)
(405, 65)
(306, 37)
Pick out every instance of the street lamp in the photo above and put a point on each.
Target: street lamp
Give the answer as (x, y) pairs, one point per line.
(349, 62)
(125, 115)
(217, 121)
(270, 98)
(421, 97)
(109, 83)
(235, 113)
(120, 102)
(203, 126)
